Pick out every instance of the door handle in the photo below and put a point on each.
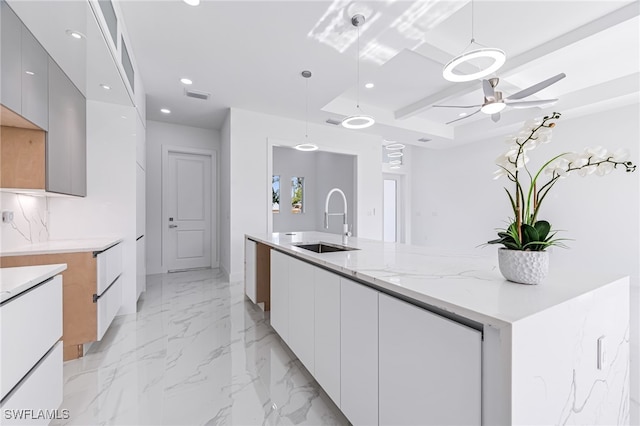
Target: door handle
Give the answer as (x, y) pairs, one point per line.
(173, 226)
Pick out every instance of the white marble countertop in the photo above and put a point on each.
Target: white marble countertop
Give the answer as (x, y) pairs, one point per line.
(14, 281)
(62, 246)
(467, 284)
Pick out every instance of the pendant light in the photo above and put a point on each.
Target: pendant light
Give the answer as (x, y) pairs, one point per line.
(497, 55)
(306, 146)
(359, 120)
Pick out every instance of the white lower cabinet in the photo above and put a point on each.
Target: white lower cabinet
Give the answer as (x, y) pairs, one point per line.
(327, 332)
(280, 294)
(429, 367)
(358, 353)
(301, 315)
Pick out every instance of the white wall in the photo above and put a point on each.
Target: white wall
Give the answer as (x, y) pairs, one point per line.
(250, 203)
(159, 134)
(109, 209)
(225, 195)
(457, 204)
(30, 220)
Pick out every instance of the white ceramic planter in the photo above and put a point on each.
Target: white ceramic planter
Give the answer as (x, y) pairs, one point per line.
(524, 267)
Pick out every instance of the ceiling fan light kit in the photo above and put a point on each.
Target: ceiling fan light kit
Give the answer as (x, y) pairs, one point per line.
(359, 120)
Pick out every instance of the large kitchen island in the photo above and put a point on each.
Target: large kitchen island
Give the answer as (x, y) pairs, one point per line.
(399, 334)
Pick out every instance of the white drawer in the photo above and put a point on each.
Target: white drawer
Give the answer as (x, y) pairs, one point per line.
(108, 305)
(40, 390)
(31, 324)
(109, 267)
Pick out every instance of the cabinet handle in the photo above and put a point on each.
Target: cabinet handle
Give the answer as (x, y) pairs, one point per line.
(173, 226)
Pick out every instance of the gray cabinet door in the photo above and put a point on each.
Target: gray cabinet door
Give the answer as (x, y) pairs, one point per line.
(66, 139)
(61, 116)
(35, 95)
(10, 62)
(78, 143)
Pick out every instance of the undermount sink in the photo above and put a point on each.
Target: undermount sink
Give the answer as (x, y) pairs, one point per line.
(321, 247)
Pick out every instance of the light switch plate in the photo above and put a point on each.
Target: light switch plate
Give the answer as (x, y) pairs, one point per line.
(7, 216)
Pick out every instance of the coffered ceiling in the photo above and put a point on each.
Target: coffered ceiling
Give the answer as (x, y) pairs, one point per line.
(249, 54)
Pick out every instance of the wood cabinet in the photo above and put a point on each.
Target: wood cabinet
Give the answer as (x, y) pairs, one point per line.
(92, 292)
(66, 140)
(326, 307)
(24, 70)
(429, 367)
(358, 353)
(250, 269)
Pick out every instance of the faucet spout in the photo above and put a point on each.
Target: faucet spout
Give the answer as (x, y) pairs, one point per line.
(344, 215)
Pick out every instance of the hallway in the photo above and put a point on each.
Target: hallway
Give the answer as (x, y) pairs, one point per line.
(197, 352)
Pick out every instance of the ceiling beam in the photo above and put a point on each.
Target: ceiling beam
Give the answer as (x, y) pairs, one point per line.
(610, 20)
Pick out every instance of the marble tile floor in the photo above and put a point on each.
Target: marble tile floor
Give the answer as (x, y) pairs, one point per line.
(196, 353)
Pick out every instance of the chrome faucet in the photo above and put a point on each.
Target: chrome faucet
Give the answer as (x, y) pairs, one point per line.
(345, 226)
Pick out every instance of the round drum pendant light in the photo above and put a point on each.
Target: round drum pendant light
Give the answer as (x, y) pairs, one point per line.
(359, 120)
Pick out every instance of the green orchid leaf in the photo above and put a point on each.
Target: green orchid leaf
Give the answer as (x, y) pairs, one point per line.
(543, 228)
(529, 234)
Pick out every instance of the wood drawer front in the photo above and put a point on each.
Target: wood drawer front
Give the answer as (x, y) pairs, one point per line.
(109, 267)
(31, 324)
(40, 390)
(108, 305)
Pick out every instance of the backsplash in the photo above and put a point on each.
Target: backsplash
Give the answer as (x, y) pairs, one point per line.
(30, 220)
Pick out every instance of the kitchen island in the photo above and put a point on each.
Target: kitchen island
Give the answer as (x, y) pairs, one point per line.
(399, 334)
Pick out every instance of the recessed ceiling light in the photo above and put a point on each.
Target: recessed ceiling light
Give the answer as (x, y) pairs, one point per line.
(394, 167)
(105, 86)
(395, 146)
(306, 147)
(75, 34)
(30, 73)
(192, 2)
(395, 154)
(186, 81)
(369, 85)
(165, 111)
(462, 114)
(395, 162)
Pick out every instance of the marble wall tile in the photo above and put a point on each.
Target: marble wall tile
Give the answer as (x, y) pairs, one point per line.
(30, 220)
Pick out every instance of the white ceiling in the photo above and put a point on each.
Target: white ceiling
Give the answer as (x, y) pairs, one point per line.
(249, 54)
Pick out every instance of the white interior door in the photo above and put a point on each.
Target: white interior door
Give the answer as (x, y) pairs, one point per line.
(187, 215)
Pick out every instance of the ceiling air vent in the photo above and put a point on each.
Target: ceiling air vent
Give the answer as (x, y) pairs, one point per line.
(197, 95)
(424, 140)
(333, 121)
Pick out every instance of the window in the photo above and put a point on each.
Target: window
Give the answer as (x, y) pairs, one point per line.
(297, 195)
(110, 18)
(128, 67)
(275, 194)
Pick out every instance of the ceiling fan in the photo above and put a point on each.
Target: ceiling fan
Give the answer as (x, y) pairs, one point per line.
(494, 102)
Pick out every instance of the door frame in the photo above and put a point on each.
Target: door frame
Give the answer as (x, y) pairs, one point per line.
(166, 150)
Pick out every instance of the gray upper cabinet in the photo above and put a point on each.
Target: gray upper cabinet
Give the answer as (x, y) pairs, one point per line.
(35, 94)
(10, 62)
(24, 70)
(66, 139)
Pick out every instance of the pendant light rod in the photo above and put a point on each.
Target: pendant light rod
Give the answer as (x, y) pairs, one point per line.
(358, 121)
(306, 146)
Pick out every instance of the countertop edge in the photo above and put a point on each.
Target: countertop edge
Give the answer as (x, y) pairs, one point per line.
(63, 246)
(47, 271)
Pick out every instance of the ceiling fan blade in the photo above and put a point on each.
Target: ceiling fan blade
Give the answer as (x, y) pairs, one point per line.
(531, 104)
(462, 118)
(495, 117)
(489, 91)
(457, 106)
(537, 87)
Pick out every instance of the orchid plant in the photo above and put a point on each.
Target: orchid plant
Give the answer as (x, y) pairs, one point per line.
(525, 231)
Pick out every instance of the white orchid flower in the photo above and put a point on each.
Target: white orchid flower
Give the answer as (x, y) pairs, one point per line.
(597, 153)
(620, 155)
(559, 166)
(585, 171)
(604, 169)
